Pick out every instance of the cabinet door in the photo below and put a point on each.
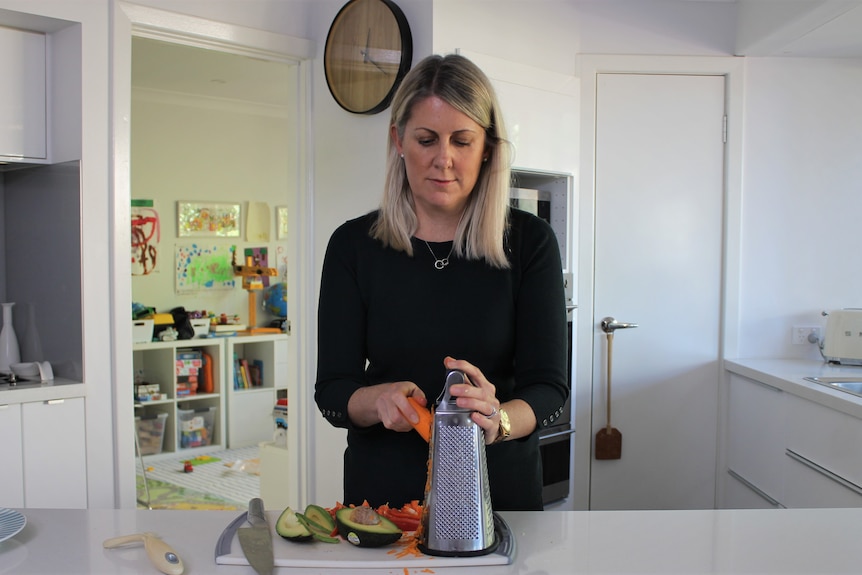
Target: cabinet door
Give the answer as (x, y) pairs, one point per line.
(827, 437)
(12, 466)
(250, 417)
(755, 434)
(22, 95)
(55, 462)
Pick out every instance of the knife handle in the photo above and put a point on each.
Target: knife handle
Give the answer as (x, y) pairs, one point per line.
(256, 515)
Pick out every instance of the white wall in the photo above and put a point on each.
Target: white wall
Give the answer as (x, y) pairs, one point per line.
(194, 149)
(801, 199)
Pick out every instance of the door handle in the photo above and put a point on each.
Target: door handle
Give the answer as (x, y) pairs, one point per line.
(610, 325)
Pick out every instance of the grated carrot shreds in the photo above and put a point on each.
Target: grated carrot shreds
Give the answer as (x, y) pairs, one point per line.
(406, 571)
(409, 547)
(426, 570)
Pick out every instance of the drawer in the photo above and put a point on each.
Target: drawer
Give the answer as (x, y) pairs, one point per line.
(808, 485)
(826, 437)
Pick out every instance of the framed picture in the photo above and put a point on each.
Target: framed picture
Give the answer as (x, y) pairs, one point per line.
(208, 219)
(281, 222)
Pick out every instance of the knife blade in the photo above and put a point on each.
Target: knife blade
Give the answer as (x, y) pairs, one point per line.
(256, 541)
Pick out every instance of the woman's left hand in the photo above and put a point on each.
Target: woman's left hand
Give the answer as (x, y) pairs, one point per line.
(480, 397)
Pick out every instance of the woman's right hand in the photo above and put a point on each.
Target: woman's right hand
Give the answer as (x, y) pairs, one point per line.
(386, 403)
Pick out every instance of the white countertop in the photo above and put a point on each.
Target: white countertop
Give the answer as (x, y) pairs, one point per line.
(788, 375)
(57, 388)
(551, 542)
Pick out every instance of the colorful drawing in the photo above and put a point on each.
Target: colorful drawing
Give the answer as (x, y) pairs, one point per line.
(146, 233)
(200, 219)
(201, 267)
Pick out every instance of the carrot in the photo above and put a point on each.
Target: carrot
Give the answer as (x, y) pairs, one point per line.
(423, 427)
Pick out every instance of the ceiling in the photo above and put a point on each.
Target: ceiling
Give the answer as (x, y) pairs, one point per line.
(776, 28)
(159, 66)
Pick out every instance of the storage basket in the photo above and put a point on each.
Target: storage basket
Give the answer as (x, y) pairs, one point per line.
(195, 427)
(151, 432)
(142, 331)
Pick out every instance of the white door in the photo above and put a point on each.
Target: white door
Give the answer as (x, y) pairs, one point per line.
(659, 158)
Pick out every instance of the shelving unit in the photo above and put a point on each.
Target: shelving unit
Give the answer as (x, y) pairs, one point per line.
(156, 363)
(249, 409)
(239, 416)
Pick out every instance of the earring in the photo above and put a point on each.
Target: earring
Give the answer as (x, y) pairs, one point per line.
(402, 156)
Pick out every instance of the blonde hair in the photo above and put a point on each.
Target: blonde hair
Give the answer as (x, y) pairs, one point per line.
(461, 84)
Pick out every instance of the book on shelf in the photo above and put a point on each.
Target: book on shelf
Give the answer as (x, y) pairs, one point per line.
(254, 373)
(237, 377)
(243, 367)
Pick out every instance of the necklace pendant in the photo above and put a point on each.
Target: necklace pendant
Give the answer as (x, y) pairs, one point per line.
(440, 264)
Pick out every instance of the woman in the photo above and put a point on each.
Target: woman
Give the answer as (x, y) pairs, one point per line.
(443, 276)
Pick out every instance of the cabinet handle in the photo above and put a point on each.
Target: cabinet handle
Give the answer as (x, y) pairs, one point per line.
(753, 487)
(55, 401)
(823, 471)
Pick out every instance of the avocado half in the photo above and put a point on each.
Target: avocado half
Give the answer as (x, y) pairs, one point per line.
(290, 527)
(374, 531)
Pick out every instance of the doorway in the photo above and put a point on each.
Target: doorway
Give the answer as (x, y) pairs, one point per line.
(206, 63)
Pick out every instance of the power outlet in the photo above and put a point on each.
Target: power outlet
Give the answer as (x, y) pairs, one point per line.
(801, 333)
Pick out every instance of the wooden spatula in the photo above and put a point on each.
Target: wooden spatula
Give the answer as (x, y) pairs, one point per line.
(609, 440)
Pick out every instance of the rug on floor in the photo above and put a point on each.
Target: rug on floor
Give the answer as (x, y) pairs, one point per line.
(166, 496)
(230, 480)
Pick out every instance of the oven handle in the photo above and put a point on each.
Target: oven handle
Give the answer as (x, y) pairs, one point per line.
(557, 434)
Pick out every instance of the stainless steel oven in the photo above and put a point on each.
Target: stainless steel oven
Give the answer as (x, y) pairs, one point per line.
(555, 442)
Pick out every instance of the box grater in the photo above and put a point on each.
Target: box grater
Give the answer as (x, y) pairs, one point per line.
(458, 520)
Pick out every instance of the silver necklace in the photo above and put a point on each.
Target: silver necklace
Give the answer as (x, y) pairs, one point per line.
(438, 262)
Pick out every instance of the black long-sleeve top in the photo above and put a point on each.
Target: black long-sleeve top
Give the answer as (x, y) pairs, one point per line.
(385, 316)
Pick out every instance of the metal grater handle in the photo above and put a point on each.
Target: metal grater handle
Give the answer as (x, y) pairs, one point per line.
(445, 402)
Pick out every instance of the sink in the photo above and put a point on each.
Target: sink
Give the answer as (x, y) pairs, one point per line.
(849, 384)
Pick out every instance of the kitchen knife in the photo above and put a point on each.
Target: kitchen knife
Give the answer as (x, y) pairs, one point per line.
(256, 541)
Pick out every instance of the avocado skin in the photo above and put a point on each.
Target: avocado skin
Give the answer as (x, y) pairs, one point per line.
(289, 527)
(361, 535)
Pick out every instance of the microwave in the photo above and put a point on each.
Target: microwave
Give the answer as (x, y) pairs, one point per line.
(537, 202)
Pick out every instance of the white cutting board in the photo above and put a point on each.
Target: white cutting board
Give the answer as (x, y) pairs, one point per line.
(344, 555)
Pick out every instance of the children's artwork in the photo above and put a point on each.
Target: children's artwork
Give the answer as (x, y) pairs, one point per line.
(146, 233)
(200, 267)
(202, 219)
(259, 259)
(281, 222)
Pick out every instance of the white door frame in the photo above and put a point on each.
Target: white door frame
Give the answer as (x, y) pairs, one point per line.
(589, 68)
(128, 20)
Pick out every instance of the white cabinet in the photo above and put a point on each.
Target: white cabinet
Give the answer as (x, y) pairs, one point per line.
(12, 468)
(23, 95)
(250, 399)
(189, 413)
(824, 465)
(238, 411)
(755, 440)
(55, 461)
(786, 451)
(44, 454)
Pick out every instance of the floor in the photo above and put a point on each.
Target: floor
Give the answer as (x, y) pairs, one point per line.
(218, 480)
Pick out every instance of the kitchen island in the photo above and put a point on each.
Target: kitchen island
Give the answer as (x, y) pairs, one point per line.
(551, 542)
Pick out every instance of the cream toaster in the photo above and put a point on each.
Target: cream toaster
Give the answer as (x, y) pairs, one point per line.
(843, 340)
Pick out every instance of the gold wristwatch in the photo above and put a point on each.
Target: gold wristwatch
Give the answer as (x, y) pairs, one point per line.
(505, 429)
